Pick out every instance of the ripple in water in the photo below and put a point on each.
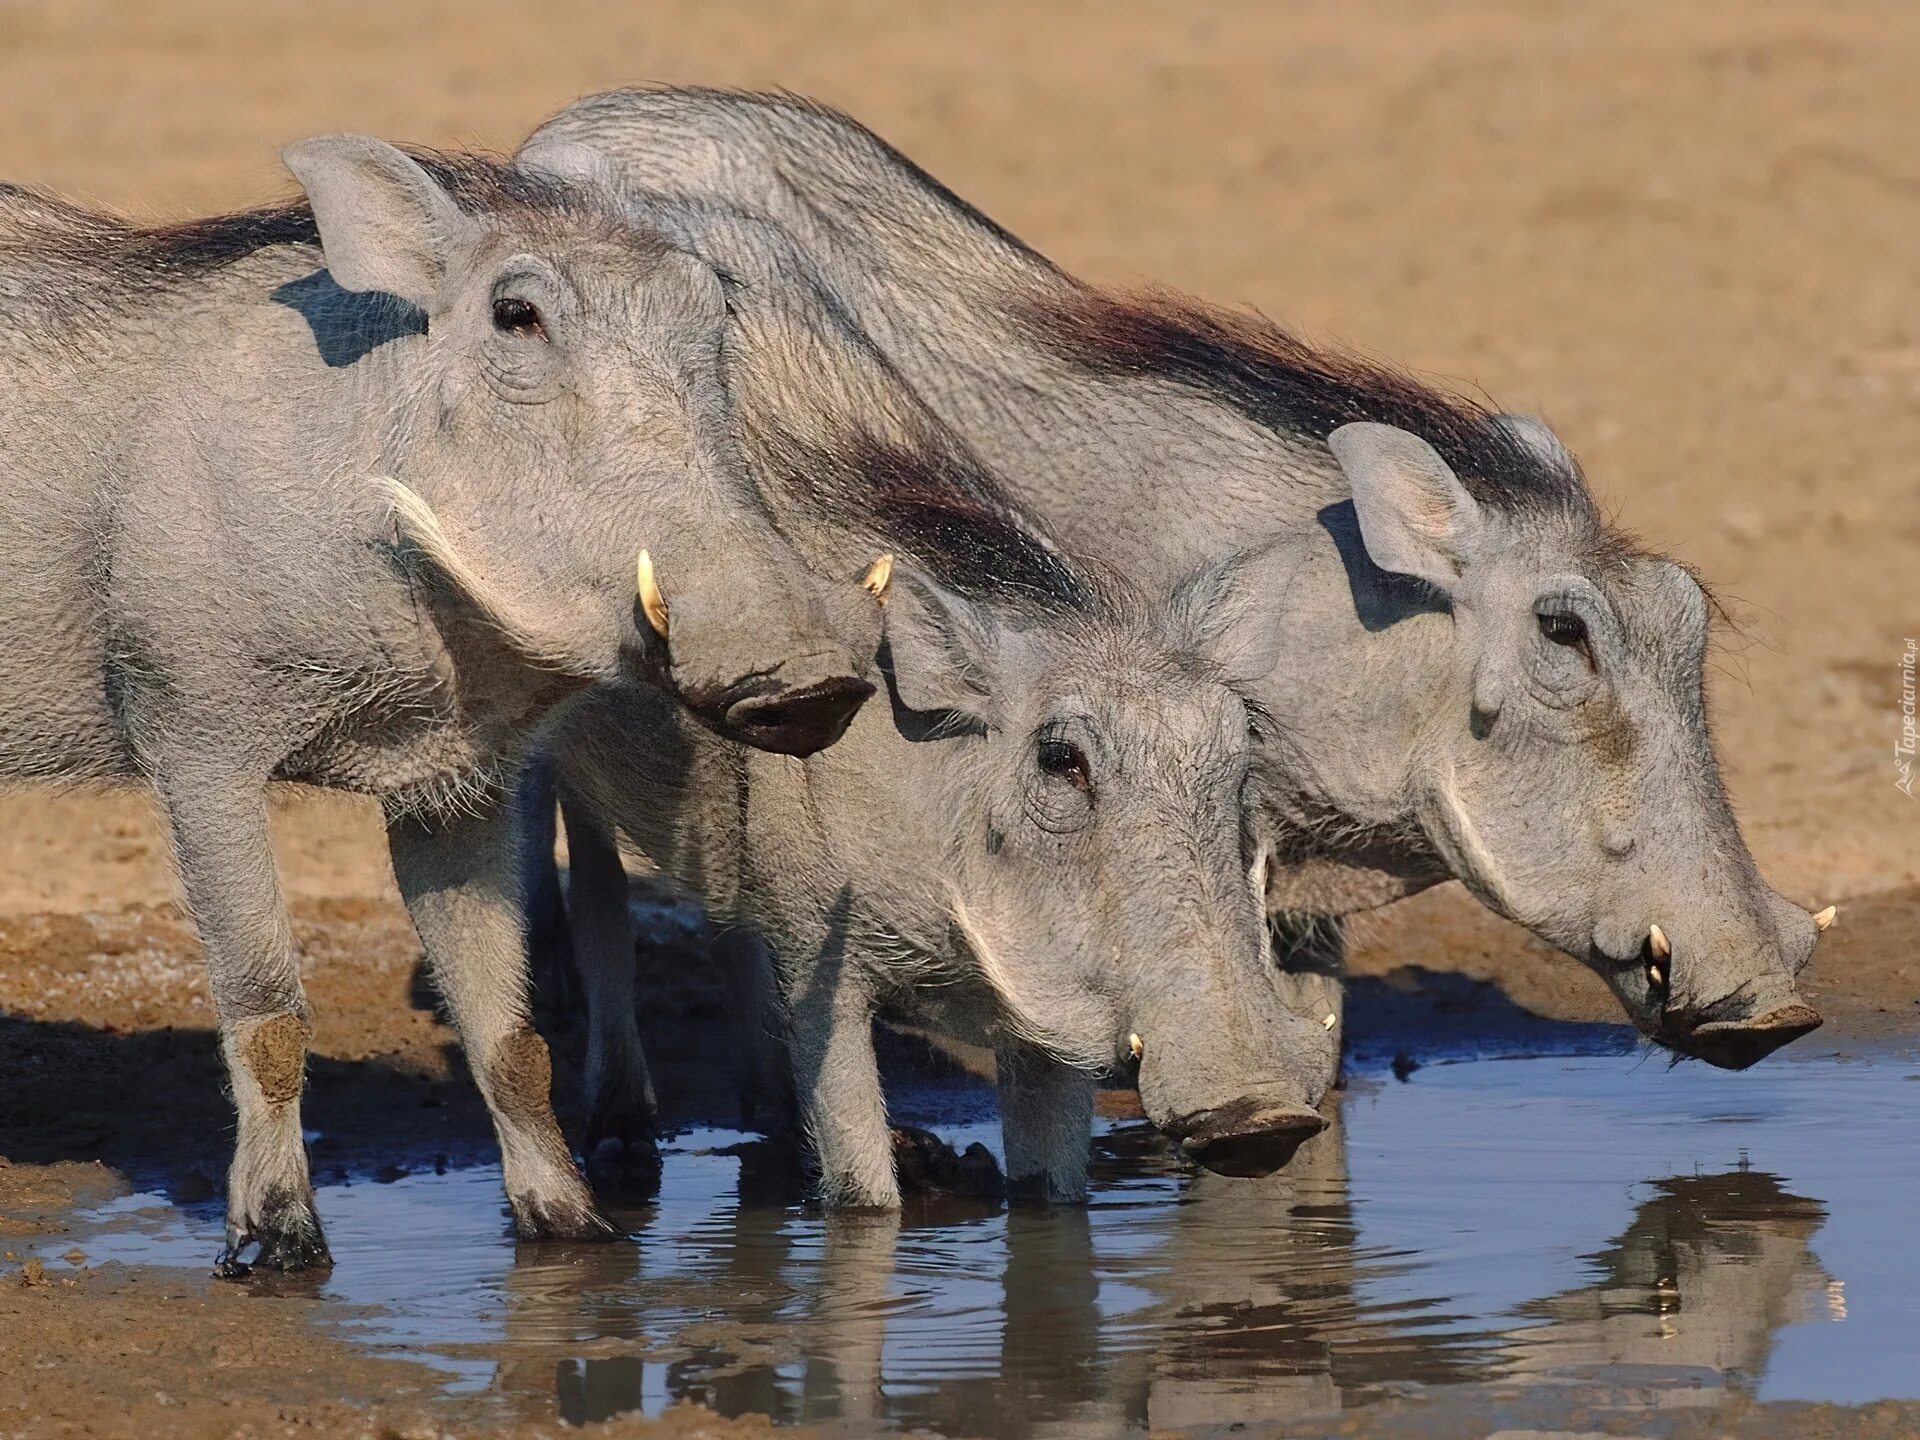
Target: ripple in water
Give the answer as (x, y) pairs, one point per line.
(1481, 1240)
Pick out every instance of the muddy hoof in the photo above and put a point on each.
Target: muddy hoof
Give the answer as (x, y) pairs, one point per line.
(571, 1223)
(624, 1167)
(1039, 1190)
(773, 1171)
(1736, 1044)
(288, 1238)
(1133, 1142)
(1250, 1139)
(927, 1165)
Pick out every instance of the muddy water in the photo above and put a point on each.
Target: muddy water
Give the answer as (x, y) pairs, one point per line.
(1486, 1240)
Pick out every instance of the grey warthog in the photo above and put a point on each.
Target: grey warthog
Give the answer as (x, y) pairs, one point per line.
(1480, 679)
(1038, 841)
(350, 493)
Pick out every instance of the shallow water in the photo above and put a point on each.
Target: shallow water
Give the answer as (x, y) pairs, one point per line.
(1493, 1235)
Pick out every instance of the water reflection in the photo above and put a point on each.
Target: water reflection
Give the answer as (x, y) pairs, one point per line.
(1481, 1245)
(1694, 1291)
(1175, 1301)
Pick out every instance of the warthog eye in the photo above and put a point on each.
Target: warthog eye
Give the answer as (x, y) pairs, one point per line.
(518, 317)
(1063, 760)
(1568, 630)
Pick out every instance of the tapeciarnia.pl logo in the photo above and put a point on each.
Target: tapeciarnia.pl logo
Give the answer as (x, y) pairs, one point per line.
(1903, 748)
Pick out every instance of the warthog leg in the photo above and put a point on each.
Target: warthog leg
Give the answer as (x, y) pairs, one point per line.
(831, 1008)
(622, 1153)
(1046, 1124)
(221, 841)
(458, 877)
(760, 1031)
(556, 991)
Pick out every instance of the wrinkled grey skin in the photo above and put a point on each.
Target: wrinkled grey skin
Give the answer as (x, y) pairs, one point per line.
(1432, 729)
(1035, 843)
(935, 868)
(285, 510)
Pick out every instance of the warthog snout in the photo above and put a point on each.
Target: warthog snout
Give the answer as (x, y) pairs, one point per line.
(1249, 1137)
(1725, 992)
(786, 719)
(1736, 1044)
(797, 706)
(1227, 1123)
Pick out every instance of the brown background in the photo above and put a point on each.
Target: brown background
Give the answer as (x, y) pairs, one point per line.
(1684, 233)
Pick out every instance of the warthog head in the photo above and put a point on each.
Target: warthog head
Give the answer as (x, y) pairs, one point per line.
(1098, 867)
(565, 462)
(1561, 763)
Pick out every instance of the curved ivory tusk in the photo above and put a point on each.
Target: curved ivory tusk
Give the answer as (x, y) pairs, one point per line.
(1657, 943)
(1136, 1045)
(1655, 975)
(879, 578)
(1328, 1023)
(651, 600)
(1823, 918)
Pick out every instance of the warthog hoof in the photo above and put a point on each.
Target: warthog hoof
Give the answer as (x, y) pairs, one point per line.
(573, 1222)
(288, 1236)
(1042, 1190)
(1249, 1138)
(1736, 1044)
(927, 1165)
(624, 1163)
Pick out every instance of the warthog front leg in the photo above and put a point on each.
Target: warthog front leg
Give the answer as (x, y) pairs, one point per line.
(457, 875)
(549, 937)
(221, 841)
(1046, 1124)
(621, 1110)
(837, 1076)
(760, 1031)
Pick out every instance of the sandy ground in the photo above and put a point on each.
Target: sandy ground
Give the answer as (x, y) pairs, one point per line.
(1683, 233)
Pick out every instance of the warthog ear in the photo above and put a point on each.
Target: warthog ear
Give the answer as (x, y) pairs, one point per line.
(384, 223)
(1416, 518)
(940, 650)
(1230, 611)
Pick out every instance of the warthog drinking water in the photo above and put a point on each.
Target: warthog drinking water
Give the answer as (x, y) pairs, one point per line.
(207, 589)
(1038, 841)
(1480, 679)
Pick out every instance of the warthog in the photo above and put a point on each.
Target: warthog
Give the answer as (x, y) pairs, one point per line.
(350, 493)
(1038, 841)
(1481, 679)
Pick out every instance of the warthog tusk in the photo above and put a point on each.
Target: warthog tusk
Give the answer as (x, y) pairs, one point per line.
(1823, 918)
(651, 600)
(1327, 1024)
(1657, 942)
(1656, 977)
(879, 578)
(1136, 1045)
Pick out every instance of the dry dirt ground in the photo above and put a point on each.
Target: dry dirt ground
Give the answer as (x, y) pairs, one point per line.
(1684, 233)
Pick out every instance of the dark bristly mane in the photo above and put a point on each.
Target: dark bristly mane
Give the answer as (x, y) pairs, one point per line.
(158, 257)
(830, 424)
(1284, 385)
(932, 503)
